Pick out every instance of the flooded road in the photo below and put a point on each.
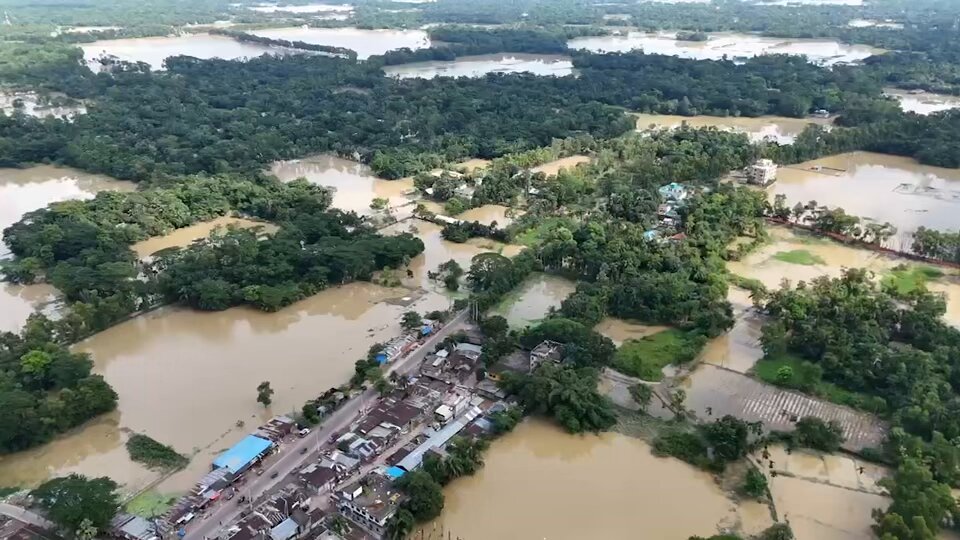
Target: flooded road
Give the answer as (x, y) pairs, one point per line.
(354, 183)
(780, 129)
(477, 66)
(25, 190)
(155, 50)
(729, 45)
(924, 102)
(532, 300)
(551, 475)
(185, 236)
(365, 42)
(880, 187)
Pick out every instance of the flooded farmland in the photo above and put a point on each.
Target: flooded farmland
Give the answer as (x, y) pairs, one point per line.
(732, 46)
(879, 187)
(532, 301)
(923, 102)
(365, 42)
(354, 184)
(478, 66)
(155, 50)
(25, 190)
(780, 129)
(550, 474)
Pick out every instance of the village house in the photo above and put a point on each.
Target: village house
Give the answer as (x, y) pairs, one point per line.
(674, 192)
(370, 502)
(762, 173)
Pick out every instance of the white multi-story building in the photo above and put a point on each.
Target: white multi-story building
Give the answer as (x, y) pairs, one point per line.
(762, 173)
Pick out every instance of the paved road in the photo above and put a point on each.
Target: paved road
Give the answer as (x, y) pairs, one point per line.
(25, 516)
(290, 459)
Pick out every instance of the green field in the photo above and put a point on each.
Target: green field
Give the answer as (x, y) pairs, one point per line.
(807, 377)
(799, 256)
(645, 358)
(905, 279)
(150, 504)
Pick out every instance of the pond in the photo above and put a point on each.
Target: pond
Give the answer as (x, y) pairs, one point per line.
(531, 302)
(733, 46)
(154, 50)
(478, 66)
(780, 129)
(365, 42)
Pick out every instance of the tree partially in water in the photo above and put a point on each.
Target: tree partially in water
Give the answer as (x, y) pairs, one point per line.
(264, 393)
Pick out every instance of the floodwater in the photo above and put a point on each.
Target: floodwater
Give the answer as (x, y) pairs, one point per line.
(876, 186)
(869, 23)
(739, 348)
(488, 214)
(185, 236)
(30, 105)
(532, 301)
(365, 42)
(924, 103)
(478, 66)
(619, 330)
(354, 183)
(733, 46)
(25, 190)
(823, 512)
(554, 167)
(780, 129)
(306, 8)
(154, 50)
(551, 476)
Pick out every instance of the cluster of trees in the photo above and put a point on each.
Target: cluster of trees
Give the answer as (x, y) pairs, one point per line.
(154, 454)
(566, 393)
(44, 388)
(462, 231)
(492, 276)
(832, 220)
(942, 245)
(309, 253)
(898, 350)
(80, 505)
(710, 446)
(287, 44)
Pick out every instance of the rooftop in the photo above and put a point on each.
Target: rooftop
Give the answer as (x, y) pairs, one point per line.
(242, 453)
(377, 496)
(391, 411)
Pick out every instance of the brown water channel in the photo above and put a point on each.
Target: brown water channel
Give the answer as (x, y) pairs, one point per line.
(25, 190)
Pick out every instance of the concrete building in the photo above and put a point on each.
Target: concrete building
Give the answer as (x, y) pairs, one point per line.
(546, 351)
(370, 502)
(762, 173)
(673, 192)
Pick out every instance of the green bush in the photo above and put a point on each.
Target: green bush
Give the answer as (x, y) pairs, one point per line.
(153, 454)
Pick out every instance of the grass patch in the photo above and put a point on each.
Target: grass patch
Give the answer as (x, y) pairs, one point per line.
(150, 504)
(906, 279)
(750, 284)
(645, 358)
(793, 372)
(533, 236)
(799, 256)
(153, 454)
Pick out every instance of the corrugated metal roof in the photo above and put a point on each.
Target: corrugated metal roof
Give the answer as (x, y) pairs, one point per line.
(415, 458)
(242, 453)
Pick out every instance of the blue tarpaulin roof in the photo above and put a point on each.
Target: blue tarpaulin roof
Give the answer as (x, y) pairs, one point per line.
(395, 472)
(242, 453)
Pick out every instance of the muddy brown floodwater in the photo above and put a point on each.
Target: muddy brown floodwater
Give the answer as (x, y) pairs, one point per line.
(876, 186)
(619, 330)
(185, 236)
(25, 190)
(553, 167)
(781, 129)
(532, 301)
(924, 102)
(726, 45)
(354, 184)
(539, 482)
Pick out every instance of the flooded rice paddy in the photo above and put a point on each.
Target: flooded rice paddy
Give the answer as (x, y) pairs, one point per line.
(924, 102)
(780, 129)
(532, 301)
(154, 50)
(732, 46)
(365, 42)
(25, 190)
(537, 480)
(879, 187)
(478, 66)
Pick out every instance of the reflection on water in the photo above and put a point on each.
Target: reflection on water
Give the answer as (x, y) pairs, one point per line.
(539, 482)
(924, 102)
(365, 42)
(155, 50)
(185, 236)
(477, 66)
(781, 129)
(726, 45)
(25, 190)
(876, 186)
(354, 183)
(532, 301)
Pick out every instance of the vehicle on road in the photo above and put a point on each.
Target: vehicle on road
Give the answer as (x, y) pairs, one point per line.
(303, 451)
(274, 475)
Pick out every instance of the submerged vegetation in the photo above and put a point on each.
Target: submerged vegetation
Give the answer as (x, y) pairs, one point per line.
(154, 454)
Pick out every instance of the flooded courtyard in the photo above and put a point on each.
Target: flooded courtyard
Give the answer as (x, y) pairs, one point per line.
(478, 66)
(366, 43)
(727, 45)
(780, 129)
(154, 50)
